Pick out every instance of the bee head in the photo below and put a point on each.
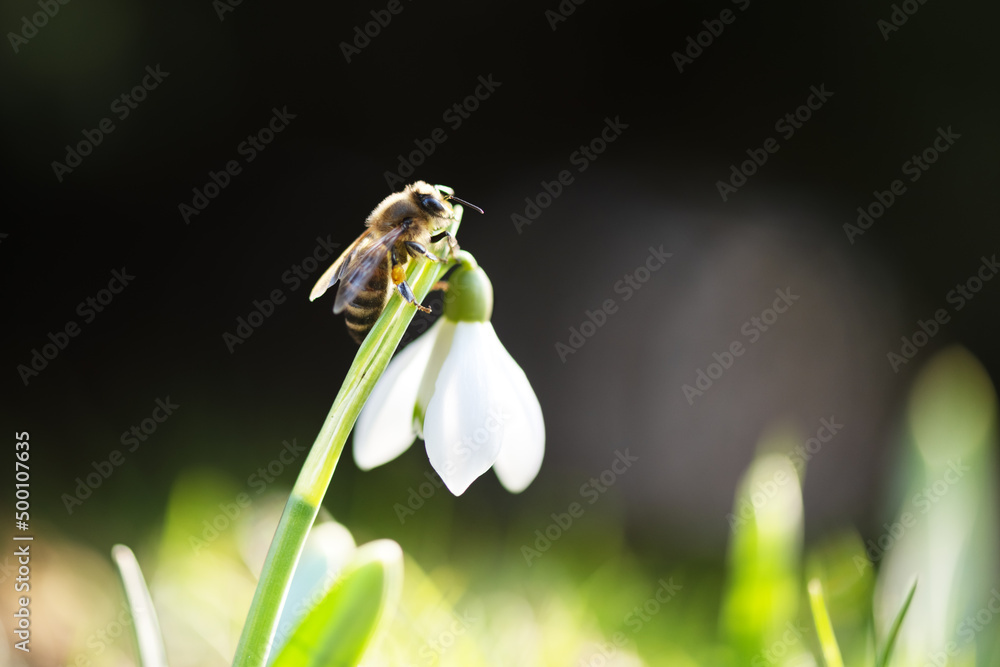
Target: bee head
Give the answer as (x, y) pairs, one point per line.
(429, 200)
(434, 206)
(436, 201)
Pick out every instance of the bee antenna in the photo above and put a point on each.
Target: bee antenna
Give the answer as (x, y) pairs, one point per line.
(462, 201)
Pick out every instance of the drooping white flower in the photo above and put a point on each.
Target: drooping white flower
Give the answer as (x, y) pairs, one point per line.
(458, 388)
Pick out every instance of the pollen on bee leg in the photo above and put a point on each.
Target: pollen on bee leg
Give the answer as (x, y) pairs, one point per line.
(398, 274)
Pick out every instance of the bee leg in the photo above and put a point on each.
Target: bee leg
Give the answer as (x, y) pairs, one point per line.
(415, 249)
(399, 278)
(452, 243)
(407, 293)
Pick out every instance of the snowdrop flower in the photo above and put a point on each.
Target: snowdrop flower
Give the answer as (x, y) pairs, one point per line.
(457, 388)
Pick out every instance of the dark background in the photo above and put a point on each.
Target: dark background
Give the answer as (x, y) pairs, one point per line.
(656, 184)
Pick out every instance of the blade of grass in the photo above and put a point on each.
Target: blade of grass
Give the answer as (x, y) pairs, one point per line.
(145, 626)
(824, 629)
(262, 620)
(883, 657)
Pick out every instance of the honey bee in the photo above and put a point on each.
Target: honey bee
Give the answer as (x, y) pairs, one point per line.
(400, 227)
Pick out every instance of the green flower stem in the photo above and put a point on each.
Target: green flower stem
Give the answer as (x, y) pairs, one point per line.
(307, 494)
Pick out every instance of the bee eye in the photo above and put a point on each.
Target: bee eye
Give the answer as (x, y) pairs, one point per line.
(432, 204)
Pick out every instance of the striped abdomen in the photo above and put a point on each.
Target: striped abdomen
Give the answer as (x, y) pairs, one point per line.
(362, 313)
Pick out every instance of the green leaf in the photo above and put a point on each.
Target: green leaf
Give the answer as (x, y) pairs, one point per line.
(883, 656)
(148, 640)
(824, 628)
(343, 624)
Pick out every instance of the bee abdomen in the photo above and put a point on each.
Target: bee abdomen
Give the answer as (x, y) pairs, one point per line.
(362, 313)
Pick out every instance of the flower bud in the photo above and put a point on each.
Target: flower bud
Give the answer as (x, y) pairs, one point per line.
(470, 295)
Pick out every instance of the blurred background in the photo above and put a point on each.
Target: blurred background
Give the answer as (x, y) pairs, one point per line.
(741, 138)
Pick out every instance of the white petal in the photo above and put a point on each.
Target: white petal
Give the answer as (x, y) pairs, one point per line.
(385, 427)
(461, 429)
(523, 427)
(442, 344)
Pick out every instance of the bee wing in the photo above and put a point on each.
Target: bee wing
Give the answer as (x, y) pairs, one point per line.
(358, 272)
(336, 270)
